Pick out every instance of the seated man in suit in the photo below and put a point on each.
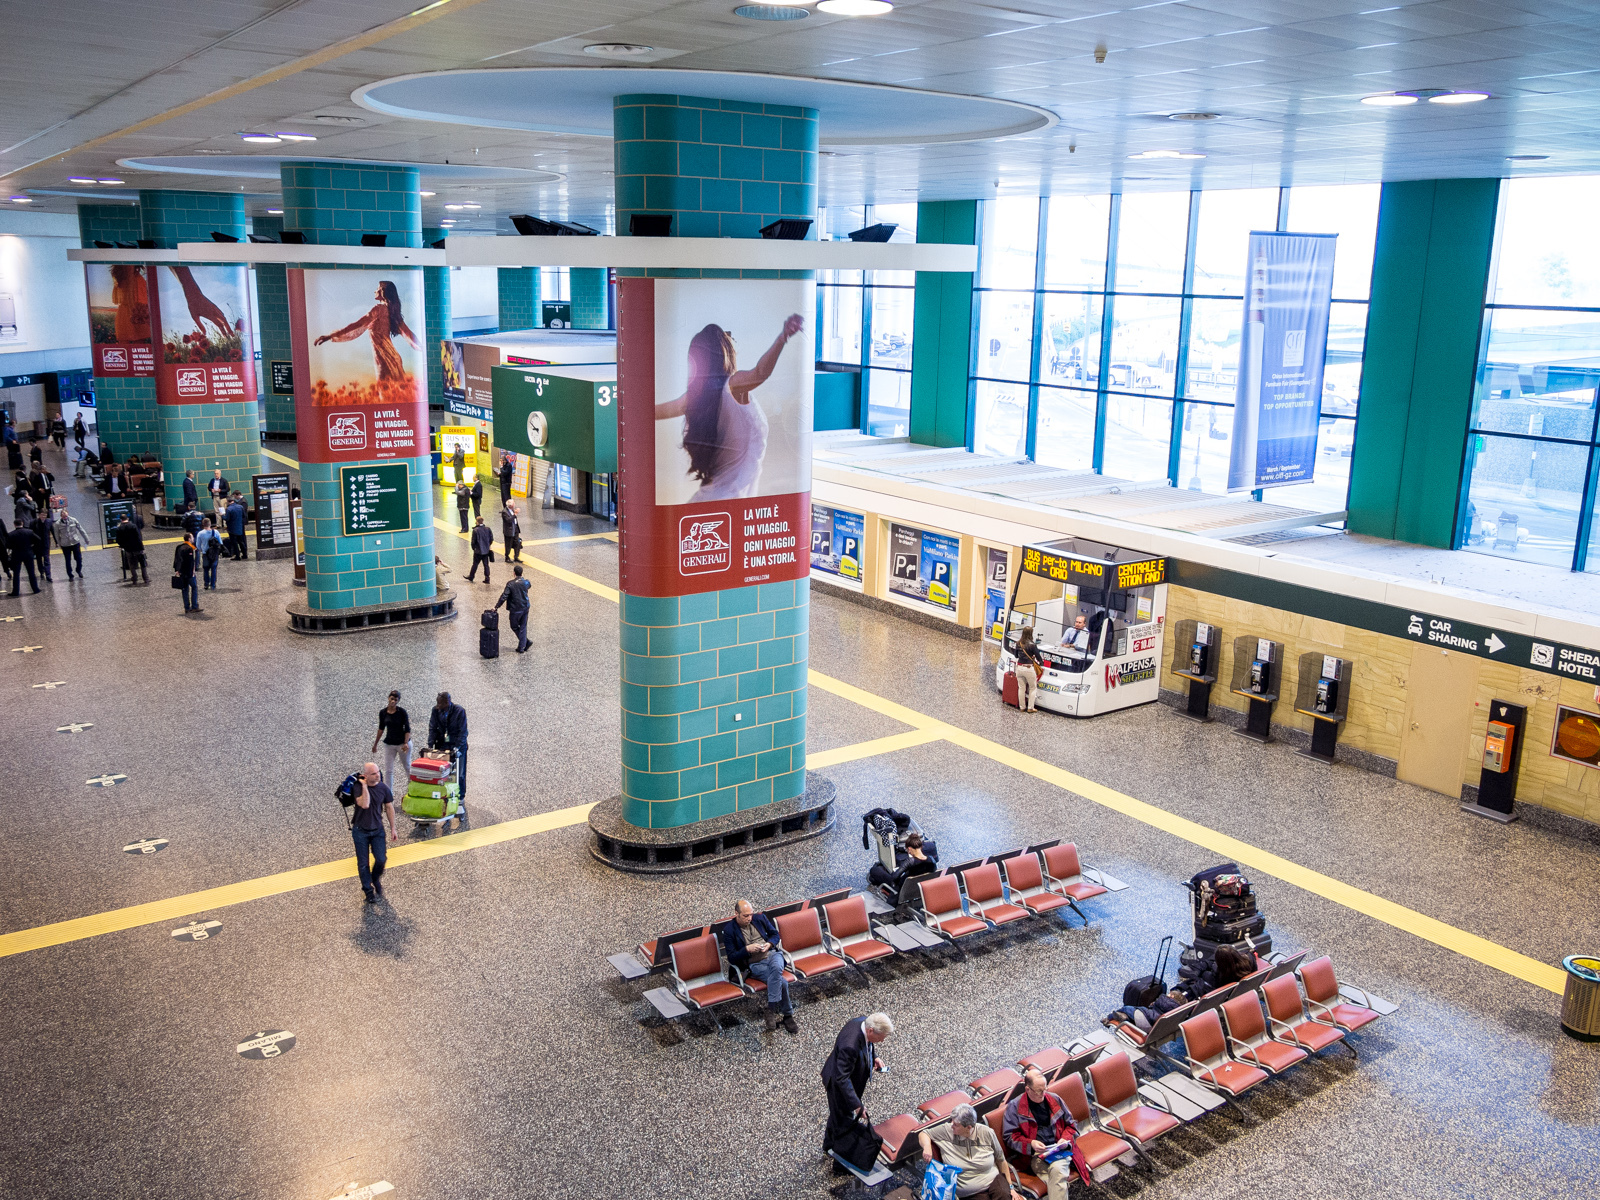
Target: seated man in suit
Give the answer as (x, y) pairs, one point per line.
(750, 942)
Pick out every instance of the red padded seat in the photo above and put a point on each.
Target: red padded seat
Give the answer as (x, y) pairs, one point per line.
(801, 935)
(1322, 993)
(1002, 1080)
(1250, 1041)
(941, 901)
(851, 931)
(1207, 1050)
(1123, 1111)
(700, 976)
(1061, 862)
(1291, 1023)
(1026, 882)
(987, 894)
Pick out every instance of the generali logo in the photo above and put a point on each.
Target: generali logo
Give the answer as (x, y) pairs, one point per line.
(347, 431)
(114, 358)
(705, 544)
(191, 381)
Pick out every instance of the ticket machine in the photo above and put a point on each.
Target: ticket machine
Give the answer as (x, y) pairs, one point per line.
(1098, 614)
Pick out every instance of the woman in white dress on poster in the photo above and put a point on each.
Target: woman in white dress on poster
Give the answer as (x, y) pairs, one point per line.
(724, 434)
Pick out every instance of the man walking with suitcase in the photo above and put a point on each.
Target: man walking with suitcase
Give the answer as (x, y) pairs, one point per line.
(447, 730)
(374, 802)
(515, 598)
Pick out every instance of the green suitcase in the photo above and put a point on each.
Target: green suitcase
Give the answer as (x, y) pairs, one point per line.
(429, 801)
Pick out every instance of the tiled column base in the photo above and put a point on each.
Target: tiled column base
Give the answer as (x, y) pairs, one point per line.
(713, 702)
(202, 437)
(355, 572)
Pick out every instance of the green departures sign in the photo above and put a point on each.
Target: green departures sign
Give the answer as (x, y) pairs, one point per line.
(376, 498)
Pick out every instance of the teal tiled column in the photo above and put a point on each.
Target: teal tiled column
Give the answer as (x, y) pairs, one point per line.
(125, 409)
(334, 204)
(590, 297)
(436, 295)
(519, 297)
(713, 684)
(200, 437)
(272, 309)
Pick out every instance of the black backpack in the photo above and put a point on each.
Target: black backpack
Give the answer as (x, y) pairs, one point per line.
(1147, 989)
(345, 793)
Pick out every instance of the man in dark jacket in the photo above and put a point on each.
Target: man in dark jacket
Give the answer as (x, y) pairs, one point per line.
(511, 531)
(132, 543)
(183, 565)
(508, 468)
(44, 529)
(22, 544)
(482, 550)
(477, 496)
(463, 504)
(238, 548)
(447, 730)
(848, 1069)
(191, 491)
(193, 522)
(751, 943)
(79, 429)
(515, 598)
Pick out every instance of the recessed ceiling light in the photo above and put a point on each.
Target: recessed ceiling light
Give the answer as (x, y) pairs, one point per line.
(447, 221)
(112, 182)
(1458, 98)
(856, 8)
(425, 193)
(1527, 157)
(22, 199)
(297, 137)
(471, 206)
(338, 119)
(454, 207)
(770, 12)
(274, 212)
(1193, 116)
(617, 50)
(79, 179)
(260, 139)
(1166, 154)
(1390, 99)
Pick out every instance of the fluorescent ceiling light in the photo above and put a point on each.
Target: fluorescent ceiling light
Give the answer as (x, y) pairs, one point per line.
(425, 193)
(274, 212)
(79, 179)
(22, 199)
(109, 181)
(1458, 98)
(1389, 100)
(855, 8)
(1166, 154)
(454, 207)
(260, 139)
(471, 206)
(296, 137)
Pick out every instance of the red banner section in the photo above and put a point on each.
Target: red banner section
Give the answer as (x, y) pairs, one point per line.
(202, 314)
(360, 379)
(119, 320)
(706, 544)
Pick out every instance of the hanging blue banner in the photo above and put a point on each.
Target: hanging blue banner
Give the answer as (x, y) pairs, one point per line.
(1279, 401)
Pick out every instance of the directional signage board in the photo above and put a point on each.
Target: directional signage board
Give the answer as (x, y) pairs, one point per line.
(376, 498)
(1497, 645)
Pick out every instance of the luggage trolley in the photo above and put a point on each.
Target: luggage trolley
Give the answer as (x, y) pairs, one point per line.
(432, 793)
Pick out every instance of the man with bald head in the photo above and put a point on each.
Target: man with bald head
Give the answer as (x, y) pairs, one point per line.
(374, 803)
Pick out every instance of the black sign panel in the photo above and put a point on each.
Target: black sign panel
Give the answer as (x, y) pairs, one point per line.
(1077, 571)
(111, 514)
(282, 378)
(273, 524)
(1141, 574)
(377, 498)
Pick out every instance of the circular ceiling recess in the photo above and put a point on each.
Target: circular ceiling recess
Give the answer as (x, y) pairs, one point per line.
(577, 100)
(265, 166)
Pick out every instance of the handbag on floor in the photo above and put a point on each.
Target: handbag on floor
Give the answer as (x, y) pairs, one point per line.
(858, 1146)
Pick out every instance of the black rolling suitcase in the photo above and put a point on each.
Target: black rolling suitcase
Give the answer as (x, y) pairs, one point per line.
(489, 635)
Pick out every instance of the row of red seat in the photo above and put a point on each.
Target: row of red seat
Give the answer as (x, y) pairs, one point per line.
(1230, 1047)
(974, 897)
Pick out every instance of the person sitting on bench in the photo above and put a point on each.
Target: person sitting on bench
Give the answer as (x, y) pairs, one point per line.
(1036, 1120)
(1229, 966)
(751, 942)
(971, 1145)
(920, 857)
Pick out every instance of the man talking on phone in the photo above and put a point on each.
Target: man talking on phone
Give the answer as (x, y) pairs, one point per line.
(374, 803)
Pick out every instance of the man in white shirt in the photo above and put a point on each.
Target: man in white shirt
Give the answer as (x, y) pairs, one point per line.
(1077, 640)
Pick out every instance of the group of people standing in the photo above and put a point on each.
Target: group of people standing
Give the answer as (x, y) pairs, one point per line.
(39, 520)
(204, 543)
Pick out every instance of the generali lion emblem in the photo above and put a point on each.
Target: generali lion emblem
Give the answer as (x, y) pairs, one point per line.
(347, 431)
(704, 543)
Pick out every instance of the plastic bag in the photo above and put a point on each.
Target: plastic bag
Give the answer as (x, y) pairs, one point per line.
(939, 1181)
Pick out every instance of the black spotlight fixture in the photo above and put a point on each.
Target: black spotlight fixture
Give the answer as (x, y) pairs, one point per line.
(374, 239)
(650, 225)
(146, 244)
(788, 229)
(292, 237)
(439, 245)
(880, 232)
(574, 229)
(218, 236)
(533, 227)
(102, 245)
(262, 239)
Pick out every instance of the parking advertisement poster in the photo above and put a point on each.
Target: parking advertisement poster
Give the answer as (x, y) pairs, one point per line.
(203, 315)
(361, 381)
(1278, 405)
(836, 541)
(714, 429)
(119, 320)
(922, 565)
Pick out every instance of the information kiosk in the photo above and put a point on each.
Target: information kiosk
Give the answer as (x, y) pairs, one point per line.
(1112, 661)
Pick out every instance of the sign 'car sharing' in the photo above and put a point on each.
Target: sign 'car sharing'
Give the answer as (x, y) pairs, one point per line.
(1554, 658)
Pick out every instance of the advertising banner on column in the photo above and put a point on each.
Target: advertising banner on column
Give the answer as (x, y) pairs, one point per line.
(715, 381)
(119, 320)
(203, 314)
(1278, 404)
(836, 541)
(361, 383)
(922, 565)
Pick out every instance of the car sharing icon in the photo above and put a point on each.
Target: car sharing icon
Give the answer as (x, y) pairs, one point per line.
(75, 727)
(270, 1043)
(105, 781)
(197, 931)
(147, 845)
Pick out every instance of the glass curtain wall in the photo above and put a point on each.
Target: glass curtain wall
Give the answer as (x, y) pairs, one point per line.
(864, 318)
(1116, 349)
(1529, 483)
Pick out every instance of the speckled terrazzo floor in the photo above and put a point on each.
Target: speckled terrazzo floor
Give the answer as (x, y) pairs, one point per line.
(469, 1039)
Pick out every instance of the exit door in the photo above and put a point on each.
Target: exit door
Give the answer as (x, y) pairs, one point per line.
(1438, 720)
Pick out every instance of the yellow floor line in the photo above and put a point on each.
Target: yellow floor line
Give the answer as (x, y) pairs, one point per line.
(276, 457)
(287, 881)
(1263, 862)
(561, 573)
(883, 745)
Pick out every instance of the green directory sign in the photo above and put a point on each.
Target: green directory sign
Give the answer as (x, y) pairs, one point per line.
(375, 498)
(563, 414)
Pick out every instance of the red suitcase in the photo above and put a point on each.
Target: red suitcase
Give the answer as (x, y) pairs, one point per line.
(1008, 690)
(429, 770)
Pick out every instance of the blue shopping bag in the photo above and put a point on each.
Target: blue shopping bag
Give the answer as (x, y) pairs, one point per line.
(939, 1181)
